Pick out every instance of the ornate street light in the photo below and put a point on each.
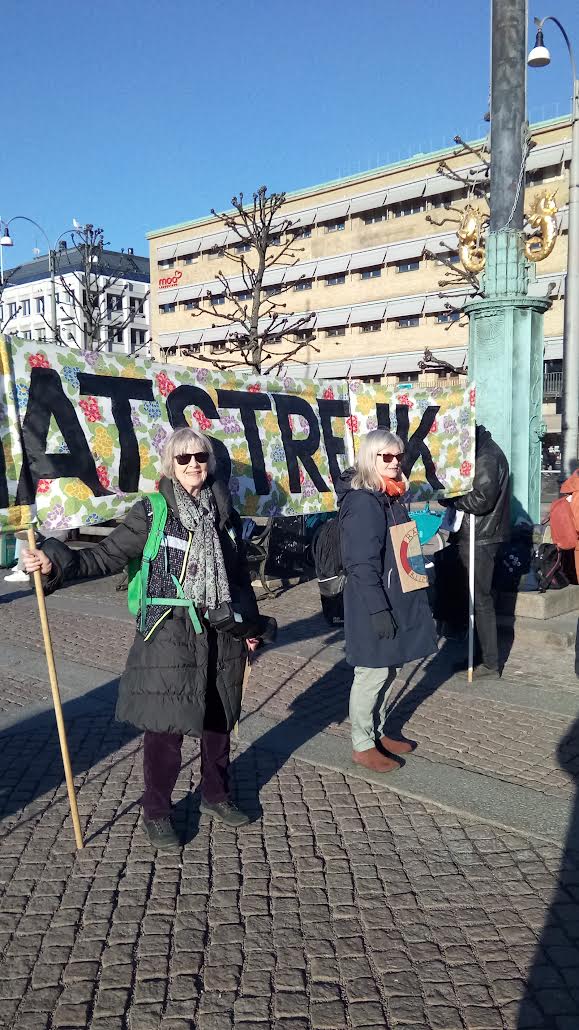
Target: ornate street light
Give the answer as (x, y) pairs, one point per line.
(539, 57)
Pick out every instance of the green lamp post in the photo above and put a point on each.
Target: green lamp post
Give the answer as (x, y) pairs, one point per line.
(506, 325)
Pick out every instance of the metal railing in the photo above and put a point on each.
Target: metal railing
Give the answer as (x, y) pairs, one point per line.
(552, 384)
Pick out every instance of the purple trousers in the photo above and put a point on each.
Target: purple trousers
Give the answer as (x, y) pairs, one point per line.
(162, 762)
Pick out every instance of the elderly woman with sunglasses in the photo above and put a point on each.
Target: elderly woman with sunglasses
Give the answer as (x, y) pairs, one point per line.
(183, 675)
(384, 627)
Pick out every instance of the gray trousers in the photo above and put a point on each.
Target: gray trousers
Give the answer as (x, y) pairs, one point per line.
(369, 697)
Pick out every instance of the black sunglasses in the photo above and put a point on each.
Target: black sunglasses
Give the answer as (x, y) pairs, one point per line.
(390, 457)
(202, 457)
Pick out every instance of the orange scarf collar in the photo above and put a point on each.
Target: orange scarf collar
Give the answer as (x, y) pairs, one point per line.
(393, 487)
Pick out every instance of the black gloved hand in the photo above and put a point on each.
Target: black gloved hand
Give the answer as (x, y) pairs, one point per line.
(383, 625)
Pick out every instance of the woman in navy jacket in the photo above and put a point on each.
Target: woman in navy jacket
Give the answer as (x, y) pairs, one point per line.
(384, 627)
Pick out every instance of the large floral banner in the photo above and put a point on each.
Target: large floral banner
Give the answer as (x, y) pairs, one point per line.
(436, 423)
(81, 434)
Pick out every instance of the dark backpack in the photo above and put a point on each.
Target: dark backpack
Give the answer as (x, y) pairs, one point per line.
(547, 564)
(327, 555)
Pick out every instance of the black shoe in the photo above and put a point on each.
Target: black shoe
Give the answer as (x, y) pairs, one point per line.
(161, 834)
(225, 812)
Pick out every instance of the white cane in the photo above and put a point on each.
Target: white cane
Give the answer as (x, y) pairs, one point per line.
(471, 554)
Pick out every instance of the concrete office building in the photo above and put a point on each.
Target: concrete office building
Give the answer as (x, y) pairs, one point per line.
(364, 270)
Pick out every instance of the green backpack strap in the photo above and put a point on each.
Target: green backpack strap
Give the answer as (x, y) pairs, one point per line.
(139, 568)
(179, 602)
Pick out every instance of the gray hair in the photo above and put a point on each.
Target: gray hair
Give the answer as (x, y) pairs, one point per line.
(365, 475)
(185, 441)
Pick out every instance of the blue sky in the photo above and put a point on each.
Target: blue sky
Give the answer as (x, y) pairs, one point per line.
(139, 114)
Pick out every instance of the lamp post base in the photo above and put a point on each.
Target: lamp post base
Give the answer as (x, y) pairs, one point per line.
(506, 363)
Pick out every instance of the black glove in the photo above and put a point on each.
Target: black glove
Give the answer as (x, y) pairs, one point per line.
(383, 625)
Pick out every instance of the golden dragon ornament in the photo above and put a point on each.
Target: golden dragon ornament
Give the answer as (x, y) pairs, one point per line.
(542, 220)
(471, 249)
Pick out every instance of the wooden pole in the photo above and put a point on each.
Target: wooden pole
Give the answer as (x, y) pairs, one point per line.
(243, 686)
(56, 697)
(471, 559)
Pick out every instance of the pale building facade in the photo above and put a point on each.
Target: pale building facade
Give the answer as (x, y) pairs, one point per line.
(367, 269)
(25, 308)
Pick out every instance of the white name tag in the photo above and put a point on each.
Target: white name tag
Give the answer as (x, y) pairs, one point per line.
(174, 541)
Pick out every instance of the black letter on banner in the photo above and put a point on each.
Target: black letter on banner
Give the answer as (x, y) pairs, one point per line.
(248, 404)
(415, 447)
(383, 416)
(121, 391)
(46, 398)
(185, 396)
(3, 480)
(334, 444)
(286, 405)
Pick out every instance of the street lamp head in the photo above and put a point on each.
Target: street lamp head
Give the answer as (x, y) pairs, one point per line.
(6, 240)
(539, 56)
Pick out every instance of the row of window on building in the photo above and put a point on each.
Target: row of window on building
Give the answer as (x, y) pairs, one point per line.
(138, 337)
(310, 335)
(303, 233)
(401, 210)
(24, 308)
(36, 305)
(303, 285)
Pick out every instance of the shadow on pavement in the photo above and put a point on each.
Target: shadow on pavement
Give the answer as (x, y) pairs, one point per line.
(321, 705)
(552, 991)
(14, 593)
(30, 758)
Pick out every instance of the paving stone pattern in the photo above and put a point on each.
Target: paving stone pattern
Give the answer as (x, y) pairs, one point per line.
(340, 906)
(497, 738)
(101, 642)
(17, 692)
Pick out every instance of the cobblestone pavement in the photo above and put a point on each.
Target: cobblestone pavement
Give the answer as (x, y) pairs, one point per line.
(341, 906)
(310, 680)
(17, 692)
(498, 739)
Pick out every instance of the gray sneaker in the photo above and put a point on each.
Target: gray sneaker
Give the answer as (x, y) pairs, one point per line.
(161, 834)
(225, 812)
(483, 672)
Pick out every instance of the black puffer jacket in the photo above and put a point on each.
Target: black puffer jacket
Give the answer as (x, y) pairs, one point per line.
(163, 687)
(489, 498)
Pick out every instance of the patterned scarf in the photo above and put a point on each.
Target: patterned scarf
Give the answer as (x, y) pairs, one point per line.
(206, 582)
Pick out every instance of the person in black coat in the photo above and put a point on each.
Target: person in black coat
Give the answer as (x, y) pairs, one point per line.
(183, 675)
(384, 627)
(489, 502)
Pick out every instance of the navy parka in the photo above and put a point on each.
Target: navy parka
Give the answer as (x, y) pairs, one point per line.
(373, 584)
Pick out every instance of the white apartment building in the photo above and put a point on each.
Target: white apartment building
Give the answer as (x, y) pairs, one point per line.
(25, 308)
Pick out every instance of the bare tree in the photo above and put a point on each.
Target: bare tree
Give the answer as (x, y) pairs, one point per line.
(86, 274)
(259, 326)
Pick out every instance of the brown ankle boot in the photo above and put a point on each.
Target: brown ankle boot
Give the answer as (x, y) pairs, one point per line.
(397, 747)
(372, 759)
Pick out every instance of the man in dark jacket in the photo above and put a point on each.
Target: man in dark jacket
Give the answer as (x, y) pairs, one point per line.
(489, 502)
